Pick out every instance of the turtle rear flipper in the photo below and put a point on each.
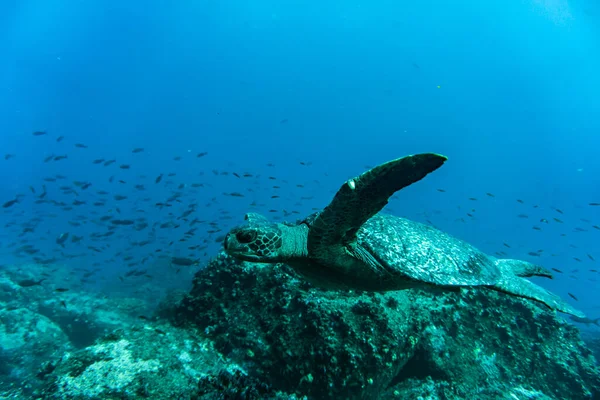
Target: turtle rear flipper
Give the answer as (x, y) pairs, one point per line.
(521, 287)
(364, 196)
(523, 268)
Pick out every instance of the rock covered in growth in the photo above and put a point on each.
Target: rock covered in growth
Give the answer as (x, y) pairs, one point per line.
(82, 315)
(329, 344)
(592, 340)
(25, 338)
(147, 362)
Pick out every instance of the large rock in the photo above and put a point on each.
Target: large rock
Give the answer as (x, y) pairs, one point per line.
(406, 344)
(141, 362)
(251, 331)
(25, 339)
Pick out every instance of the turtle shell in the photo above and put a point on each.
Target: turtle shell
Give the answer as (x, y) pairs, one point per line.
(423, 253)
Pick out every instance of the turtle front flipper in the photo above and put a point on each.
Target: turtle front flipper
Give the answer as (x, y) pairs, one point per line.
(362, 197)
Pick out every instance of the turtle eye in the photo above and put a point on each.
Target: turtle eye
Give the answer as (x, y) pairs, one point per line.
(245, 236)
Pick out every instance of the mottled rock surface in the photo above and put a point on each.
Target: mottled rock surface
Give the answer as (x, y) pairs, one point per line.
(252, 331)
(327, 344)
(140, 362)
(25, 338)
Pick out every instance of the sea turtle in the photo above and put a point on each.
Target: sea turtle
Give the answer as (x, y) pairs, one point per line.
(350, 244)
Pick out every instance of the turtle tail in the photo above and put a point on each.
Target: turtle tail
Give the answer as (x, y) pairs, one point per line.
(523, 269)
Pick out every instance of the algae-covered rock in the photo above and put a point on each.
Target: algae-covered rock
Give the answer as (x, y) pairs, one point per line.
(405, 344)
(25, 338)
(152, 363)
(144, 362)
(252, 331)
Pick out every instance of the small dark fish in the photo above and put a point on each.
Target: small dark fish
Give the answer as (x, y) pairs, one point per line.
(62, 238)
(10, 203)
(122, 222)
(30, 282)
(590, 257)
(573, 296)
(143, 317)
(63, 303)
(60, 138)
(490, 195)
(595, 204)
(158, 178)
(183, 262)
(137, 150)
(80, 146)
(520, 201)
(473, 198)
(76, 239)
(557, 270)
(199, 155)
(124, 166)
(61, 290)
(39, 133)
(284, 121)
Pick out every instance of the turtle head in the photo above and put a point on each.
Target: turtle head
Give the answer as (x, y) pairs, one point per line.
(258, 241)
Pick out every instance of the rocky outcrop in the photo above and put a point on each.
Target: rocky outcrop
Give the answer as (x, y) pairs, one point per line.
(252, 331)
(325, 344)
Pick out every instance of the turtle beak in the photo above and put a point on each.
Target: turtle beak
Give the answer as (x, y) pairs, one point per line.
(231, 246)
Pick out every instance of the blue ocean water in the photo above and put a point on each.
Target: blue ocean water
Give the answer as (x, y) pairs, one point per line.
(288, 100)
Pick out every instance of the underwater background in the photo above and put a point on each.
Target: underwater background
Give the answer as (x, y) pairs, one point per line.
(133, 133)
